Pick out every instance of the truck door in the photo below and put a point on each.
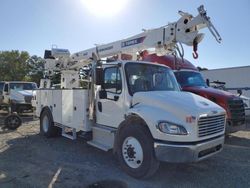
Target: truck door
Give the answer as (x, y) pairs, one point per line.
(110, 111)
(1, 92)
(6, 93)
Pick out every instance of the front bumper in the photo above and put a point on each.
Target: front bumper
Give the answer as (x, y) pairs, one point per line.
(191, 152)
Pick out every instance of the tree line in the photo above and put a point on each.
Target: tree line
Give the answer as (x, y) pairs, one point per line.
(20, 66)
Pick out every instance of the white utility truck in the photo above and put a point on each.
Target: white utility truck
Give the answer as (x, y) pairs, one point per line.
(133, 107)
(16, 95)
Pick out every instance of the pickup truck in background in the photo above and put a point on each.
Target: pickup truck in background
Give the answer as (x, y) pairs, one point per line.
(16, 95)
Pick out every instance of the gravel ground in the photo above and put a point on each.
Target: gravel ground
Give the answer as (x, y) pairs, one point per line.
(29, 160)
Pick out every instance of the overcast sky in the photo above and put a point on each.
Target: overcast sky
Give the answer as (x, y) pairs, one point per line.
(33, 26)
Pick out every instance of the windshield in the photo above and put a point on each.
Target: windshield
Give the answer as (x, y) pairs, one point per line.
(190, 78)
(1, 86)
(146, 77)
(23, 86)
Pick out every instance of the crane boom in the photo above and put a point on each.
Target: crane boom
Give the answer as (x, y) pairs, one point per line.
(162, 40)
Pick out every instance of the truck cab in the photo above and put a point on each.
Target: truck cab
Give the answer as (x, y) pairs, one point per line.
(4, 95)
(191, 80)
(17, 95)
(1, 93)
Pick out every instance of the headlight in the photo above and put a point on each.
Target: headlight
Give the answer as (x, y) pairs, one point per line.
(171, 128)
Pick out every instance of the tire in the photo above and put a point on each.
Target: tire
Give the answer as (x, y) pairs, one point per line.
(12, 122)
(47, 127)
(135, 150)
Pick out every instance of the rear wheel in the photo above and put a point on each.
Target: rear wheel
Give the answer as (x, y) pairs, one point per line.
(47, 127)
(135, 151)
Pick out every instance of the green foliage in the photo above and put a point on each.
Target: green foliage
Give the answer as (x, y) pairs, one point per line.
(56, 78)
(84, 84)
(19, 66)
(13, 65)
(36, 67)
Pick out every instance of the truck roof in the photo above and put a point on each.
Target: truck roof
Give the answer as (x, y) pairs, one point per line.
(175, 63)
(123, 62)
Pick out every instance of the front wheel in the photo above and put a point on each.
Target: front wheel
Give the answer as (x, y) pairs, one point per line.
(135, 151)
(13, 121)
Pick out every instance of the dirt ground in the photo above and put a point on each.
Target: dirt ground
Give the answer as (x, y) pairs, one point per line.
(27, 159)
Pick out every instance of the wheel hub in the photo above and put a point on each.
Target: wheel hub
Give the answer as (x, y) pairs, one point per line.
(132, 152)
(45, 124)
(13, 122)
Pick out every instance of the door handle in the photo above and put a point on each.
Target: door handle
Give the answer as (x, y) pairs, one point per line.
(99, 104)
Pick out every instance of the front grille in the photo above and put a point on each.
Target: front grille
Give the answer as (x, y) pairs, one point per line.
(211, 125)
(237, 110)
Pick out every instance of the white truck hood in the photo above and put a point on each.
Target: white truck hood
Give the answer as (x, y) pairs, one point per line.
(178, 103)
(19, 96)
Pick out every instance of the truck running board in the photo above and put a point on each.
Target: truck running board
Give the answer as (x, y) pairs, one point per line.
(69, 132)
(103, 137)
(99, 145)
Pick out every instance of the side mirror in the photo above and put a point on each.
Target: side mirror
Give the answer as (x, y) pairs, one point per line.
(208, 82)
(239, 91)
(180, 86)
(103, 94)
(99, 76)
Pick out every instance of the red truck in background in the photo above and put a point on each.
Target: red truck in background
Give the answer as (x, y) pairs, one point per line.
(191, 80)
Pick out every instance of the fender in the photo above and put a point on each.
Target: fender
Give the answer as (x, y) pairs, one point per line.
(46, 108)
(128, 118)
(151, 115)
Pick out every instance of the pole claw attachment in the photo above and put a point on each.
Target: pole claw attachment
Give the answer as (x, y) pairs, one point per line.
(195, 55)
